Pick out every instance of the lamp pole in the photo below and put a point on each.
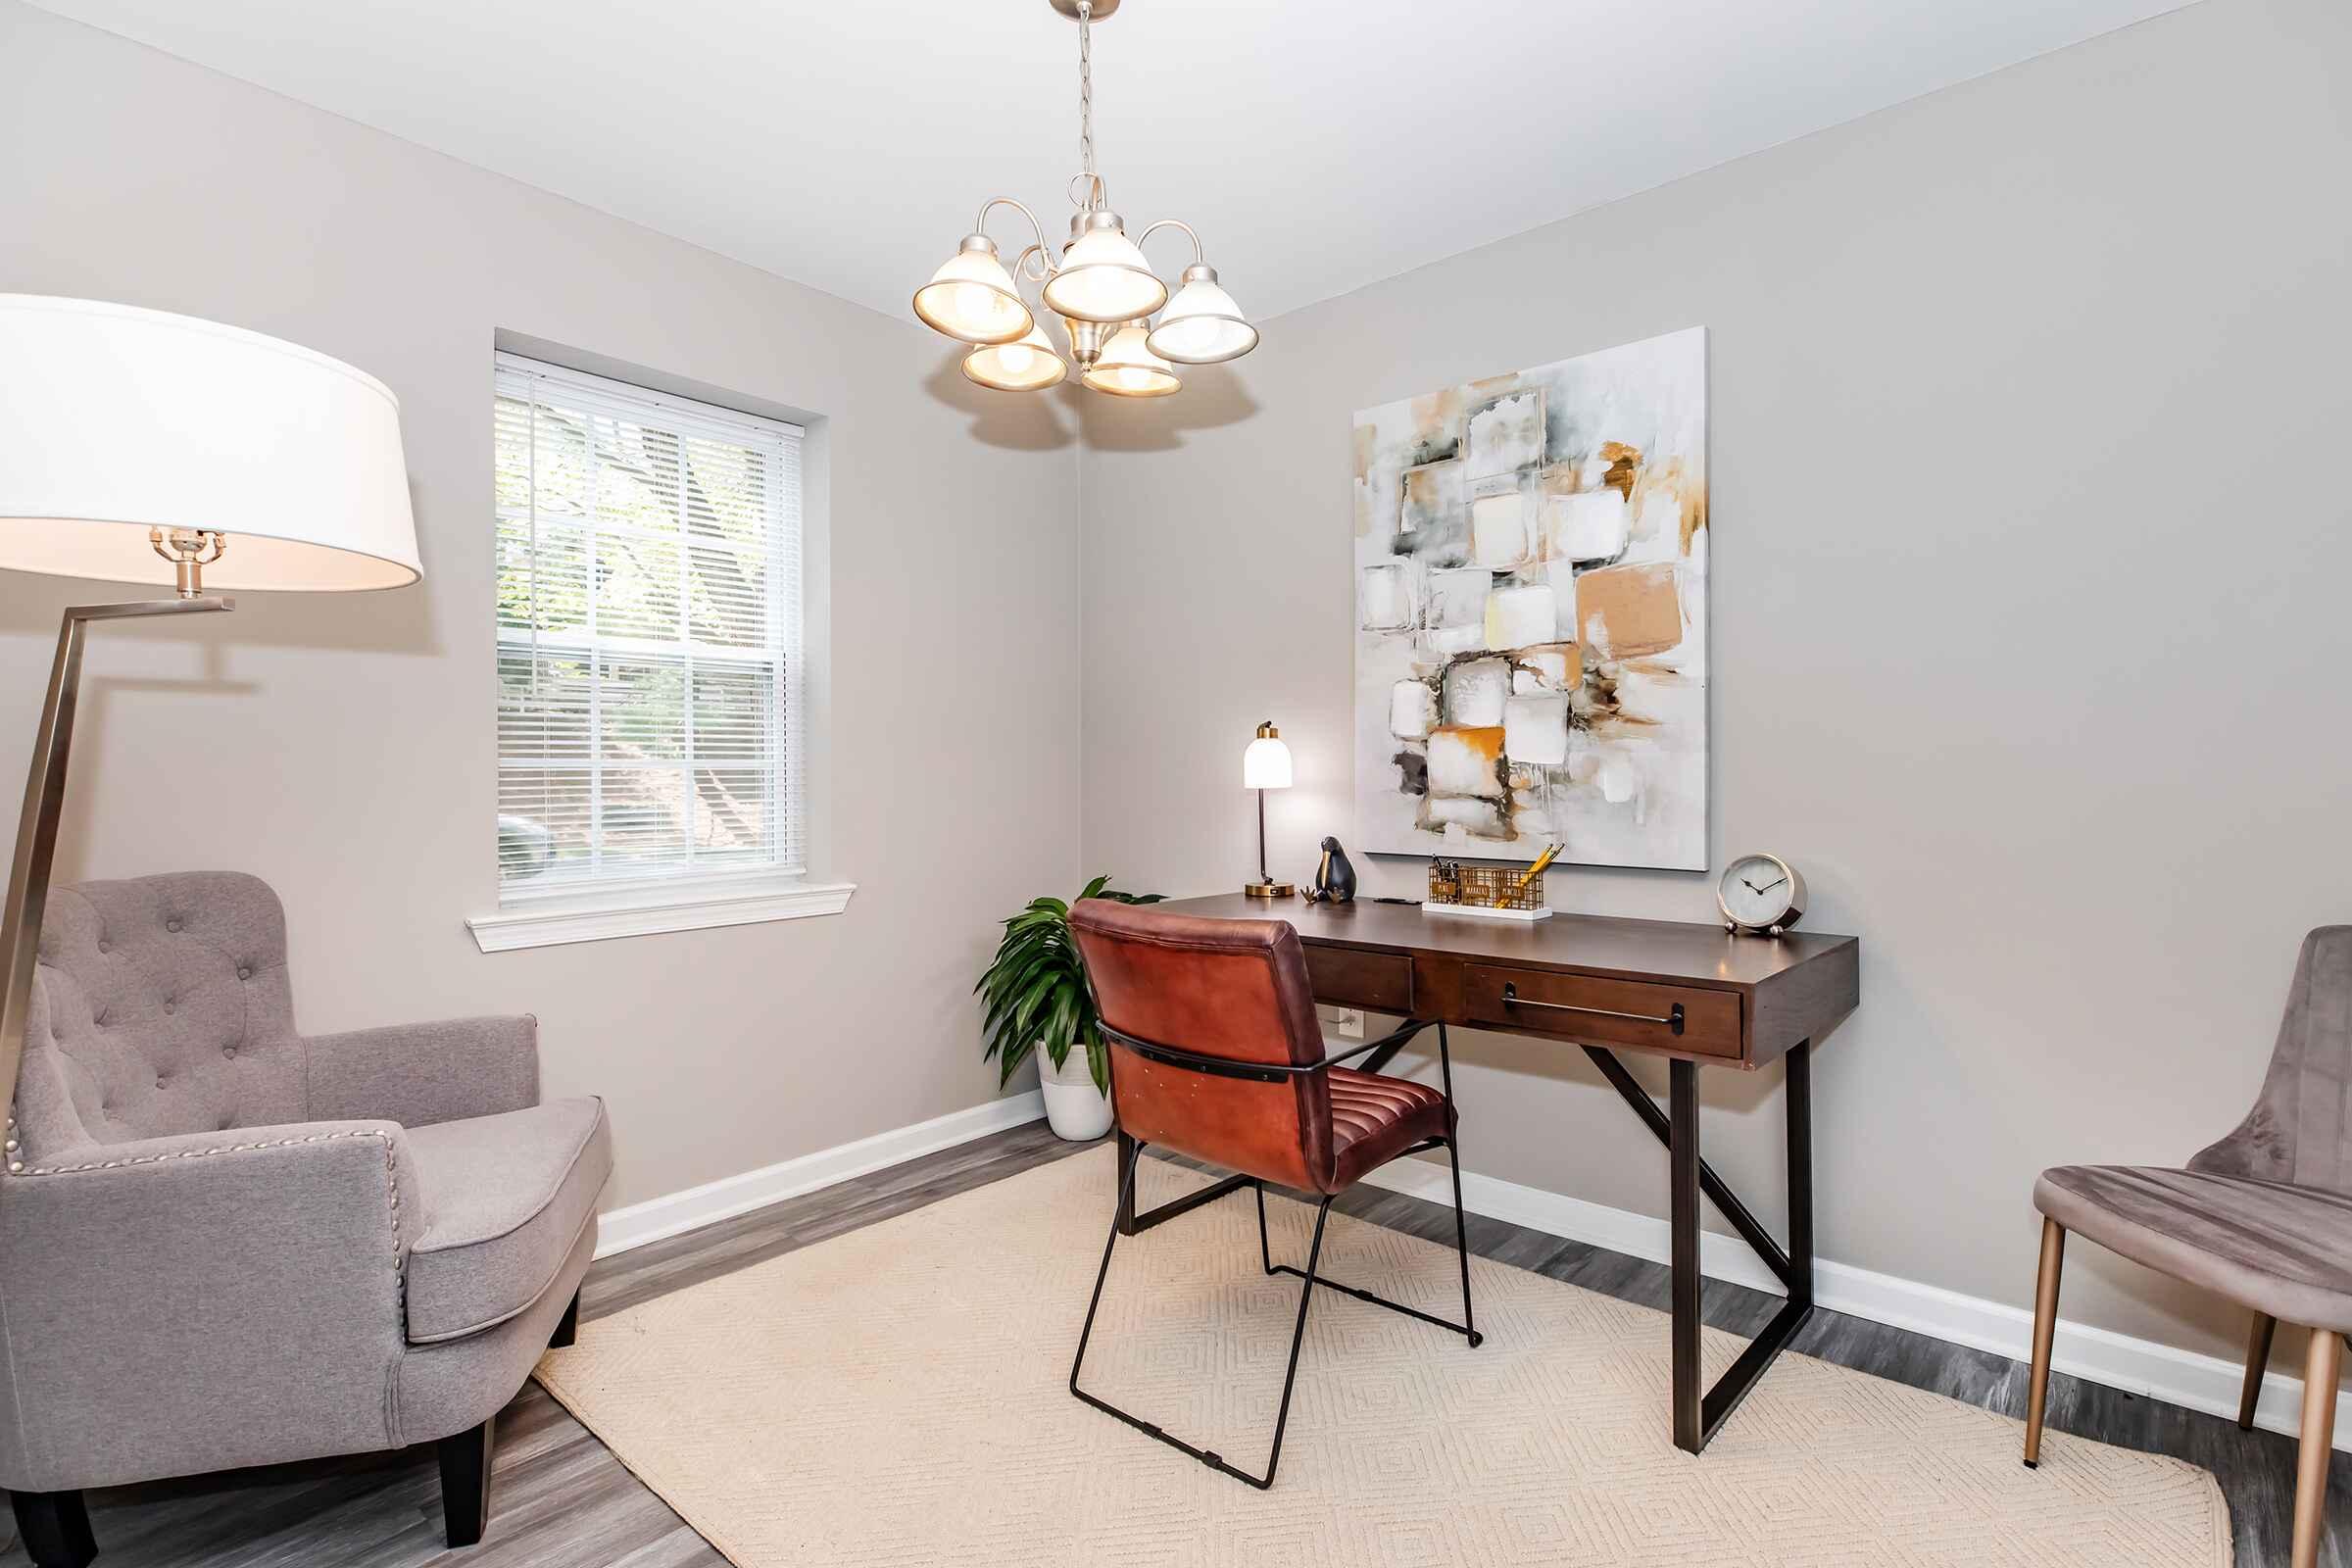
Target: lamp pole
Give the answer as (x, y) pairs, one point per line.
(36, 827)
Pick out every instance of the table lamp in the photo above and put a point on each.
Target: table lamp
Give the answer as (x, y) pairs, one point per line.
(138, 446)
(1265, 765)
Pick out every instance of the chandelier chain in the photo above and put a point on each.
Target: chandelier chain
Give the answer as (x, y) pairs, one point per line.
(1086, 99)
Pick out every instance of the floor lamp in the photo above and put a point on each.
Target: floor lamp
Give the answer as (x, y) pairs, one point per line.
(141, 447)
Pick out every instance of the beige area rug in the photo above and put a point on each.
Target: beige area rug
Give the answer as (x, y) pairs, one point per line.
(895, 1396)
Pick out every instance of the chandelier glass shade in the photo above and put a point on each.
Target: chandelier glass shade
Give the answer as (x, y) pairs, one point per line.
(1103, 277)
(1128, 369)
(1026, 365)
(1202, 325)
(972, 297)
(1098, 284)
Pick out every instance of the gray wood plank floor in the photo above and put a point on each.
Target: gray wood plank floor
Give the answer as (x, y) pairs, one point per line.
(560, 1499)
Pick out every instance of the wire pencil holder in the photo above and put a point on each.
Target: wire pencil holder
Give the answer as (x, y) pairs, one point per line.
(1454, 885)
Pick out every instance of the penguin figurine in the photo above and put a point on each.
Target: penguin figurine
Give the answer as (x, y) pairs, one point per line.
(1335, 878)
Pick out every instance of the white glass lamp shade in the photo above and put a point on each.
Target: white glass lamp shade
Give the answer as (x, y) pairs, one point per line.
(1103, 277)
(972, 298)
(1028, 366)
(1128, 369)
(1202, 325)
(115, 421)
(1266, 764)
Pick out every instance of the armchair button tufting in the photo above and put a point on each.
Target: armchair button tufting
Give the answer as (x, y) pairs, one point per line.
(244, 971)
(170, 1007)
(229, 1052)
(171, 925)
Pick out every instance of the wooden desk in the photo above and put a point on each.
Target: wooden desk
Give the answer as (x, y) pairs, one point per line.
(1694, 994)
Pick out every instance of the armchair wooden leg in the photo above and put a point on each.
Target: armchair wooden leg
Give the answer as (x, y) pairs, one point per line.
(2045, 1328)
(56, 1527)
(2258, 1361)
(465, 1482)
(2321, 1365)
(568, 1328)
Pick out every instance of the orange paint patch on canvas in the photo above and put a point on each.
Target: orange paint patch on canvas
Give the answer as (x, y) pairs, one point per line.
(1624, 466)
(1466, 761)
(1679, 484)
(1629, 612)
(1438, 411)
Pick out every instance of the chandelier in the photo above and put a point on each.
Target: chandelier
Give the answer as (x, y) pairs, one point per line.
(1126, 334)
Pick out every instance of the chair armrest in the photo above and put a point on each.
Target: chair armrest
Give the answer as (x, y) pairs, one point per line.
(196, 1303)
(420, 1073)
(1394, 1038)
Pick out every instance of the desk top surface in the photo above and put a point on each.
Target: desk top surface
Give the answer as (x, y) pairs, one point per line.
(1587, 944)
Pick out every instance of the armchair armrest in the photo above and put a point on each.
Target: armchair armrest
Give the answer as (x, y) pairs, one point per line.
(420, 1073)
(203, 1301)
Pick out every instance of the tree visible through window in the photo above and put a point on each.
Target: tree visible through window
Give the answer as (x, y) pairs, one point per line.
(648, 634)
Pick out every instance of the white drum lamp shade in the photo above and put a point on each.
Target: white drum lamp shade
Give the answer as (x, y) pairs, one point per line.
(115, 421)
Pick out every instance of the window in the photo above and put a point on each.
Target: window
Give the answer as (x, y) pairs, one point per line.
(649, 644)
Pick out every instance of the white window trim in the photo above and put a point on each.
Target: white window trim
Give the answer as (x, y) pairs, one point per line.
(655, 906)
(699, 902)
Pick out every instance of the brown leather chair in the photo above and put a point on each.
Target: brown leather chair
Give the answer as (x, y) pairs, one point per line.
(1217, 1053)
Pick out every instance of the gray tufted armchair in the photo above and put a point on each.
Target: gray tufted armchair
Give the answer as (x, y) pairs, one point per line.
(224, 1244)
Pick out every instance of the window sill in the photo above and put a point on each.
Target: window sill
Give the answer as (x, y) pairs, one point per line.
(686, 907)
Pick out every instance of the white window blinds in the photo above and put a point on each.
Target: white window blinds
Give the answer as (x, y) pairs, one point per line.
(649, 635)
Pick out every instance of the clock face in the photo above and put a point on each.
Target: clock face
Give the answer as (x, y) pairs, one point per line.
(1757, 891)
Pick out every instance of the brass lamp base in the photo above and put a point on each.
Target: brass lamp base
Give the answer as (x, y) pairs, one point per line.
(1268, 890)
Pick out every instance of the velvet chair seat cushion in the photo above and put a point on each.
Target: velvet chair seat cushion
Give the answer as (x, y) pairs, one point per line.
(1375, 1117)
(2278, 1248)
(506, 1198)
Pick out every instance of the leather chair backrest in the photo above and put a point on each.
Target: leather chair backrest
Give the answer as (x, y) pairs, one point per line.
(1231, 989)
(2300, 1129)
(160, 1007)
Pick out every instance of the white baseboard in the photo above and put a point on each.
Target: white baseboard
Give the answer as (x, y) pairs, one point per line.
(2117, 1360)
(659, 1218)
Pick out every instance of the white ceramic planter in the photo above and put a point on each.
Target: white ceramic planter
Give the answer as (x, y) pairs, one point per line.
(1074, 1108)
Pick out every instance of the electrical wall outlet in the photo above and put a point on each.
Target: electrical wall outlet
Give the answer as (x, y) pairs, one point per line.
(1345, 1022)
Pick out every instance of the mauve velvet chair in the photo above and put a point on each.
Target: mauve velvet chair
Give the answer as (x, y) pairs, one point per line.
(2264, 1218)
(225, 1244)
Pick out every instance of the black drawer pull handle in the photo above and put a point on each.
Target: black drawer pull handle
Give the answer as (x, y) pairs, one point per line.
(1673, 1019)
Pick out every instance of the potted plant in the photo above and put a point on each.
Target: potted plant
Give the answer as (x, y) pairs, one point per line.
(1038, 1003)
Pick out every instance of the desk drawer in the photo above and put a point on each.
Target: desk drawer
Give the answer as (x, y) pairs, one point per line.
(1603, 1012)
(1378, 982)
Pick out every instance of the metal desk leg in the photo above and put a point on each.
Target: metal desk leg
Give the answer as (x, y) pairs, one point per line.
(1682, 1159)
(1697, 1415)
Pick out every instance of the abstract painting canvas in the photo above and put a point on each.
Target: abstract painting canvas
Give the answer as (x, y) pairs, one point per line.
(1531, 613)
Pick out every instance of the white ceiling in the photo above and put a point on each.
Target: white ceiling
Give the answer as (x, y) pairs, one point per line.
(1318, 145)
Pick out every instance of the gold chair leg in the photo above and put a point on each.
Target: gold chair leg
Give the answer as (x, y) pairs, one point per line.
(2045, 1327)
(2320, 1367)
(2258, 1361)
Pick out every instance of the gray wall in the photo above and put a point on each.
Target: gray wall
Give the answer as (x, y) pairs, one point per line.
(342, 747)
(2029, 576)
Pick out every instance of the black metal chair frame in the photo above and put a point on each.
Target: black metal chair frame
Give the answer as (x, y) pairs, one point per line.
(1124, 1220)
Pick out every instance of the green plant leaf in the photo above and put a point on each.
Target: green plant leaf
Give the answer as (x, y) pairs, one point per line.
(1034, 989)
